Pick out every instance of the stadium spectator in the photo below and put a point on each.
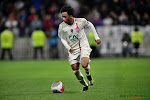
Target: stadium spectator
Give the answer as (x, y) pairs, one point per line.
(84, 11)
(126, 45)
(6, 38)
(104, 10)
(37, 4)
(22, 23)
(2, 21)
(48, 22)
(95, 13)
(146, 19)
(114, 17)
(137, 18)
(53, 8)
(108, 20)
(95, 17)
(38, 38)
(19, 4)
(136, 37)
(9, 8)
(53, 41)
(32, 14)
(56, 20)
(35, 23)
(123, 19)
(42, 11)
(22, 27)
(11, 21)
(23, 15)
(75, 5)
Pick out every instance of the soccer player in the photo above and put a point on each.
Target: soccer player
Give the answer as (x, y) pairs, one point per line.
(72, 35)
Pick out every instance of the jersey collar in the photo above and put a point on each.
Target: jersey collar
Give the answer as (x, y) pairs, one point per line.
(72, 24)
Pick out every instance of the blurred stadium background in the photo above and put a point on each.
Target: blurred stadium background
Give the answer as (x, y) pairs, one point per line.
(112, 19)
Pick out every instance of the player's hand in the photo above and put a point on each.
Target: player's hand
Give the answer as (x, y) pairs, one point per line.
(71, 50)
(98, 41)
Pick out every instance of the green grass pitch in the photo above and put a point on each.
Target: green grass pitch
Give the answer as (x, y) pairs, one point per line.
(114, 79)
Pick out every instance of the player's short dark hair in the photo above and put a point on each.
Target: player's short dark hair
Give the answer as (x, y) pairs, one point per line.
(67, 9)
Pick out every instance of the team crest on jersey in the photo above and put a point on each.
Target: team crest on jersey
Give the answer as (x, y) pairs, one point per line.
(71, 30)
(77, 28)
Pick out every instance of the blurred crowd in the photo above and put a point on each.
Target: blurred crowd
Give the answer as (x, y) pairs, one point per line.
(24, 16)
(39, 19)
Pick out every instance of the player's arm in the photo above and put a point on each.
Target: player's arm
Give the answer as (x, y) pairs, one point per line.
(65, 43)
(70, 49)
(91, 26)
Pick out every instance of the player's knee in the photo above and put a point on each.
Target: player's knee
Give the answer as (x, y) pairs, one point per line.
(84, 62)
(84, 65)
(75, 66)
(87, 68)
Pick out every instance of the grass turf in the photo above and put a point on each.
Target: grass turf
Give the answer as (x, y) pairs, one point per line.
(115, 78)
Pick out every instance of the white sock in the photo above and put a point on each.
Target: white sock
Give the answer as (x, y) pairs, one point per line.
(87, 70)
(80, 77)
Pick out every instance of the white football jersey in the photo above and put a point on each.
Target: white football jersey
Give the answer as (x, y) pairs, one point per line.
(74, 34)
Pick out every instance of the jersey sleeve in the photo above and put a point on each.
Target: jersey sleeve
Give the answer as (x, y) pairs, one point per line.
(61, 35)
(60, 32)
(85, 23)
(91, 26)
(88, 24)
(65, 43)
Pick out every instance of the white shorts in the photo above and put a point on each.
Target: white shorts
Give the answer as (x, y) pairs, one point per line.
(76, 58)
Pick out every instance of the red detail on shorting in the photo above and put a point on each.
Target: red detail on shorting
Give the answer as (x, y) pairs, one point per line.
(62, 89)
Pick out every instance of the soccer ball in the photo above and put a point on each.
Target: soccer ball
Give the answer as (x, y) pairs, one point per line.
(57, 87)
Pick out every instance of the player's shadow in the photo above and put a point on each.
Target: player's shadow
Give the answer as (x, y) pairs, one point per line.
(70, 92)
(50, 92)
(25, 93)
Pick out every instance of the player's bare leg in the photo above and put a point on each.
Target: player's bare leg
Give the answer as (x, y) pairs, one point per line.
(79, 75)
(86, 66)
